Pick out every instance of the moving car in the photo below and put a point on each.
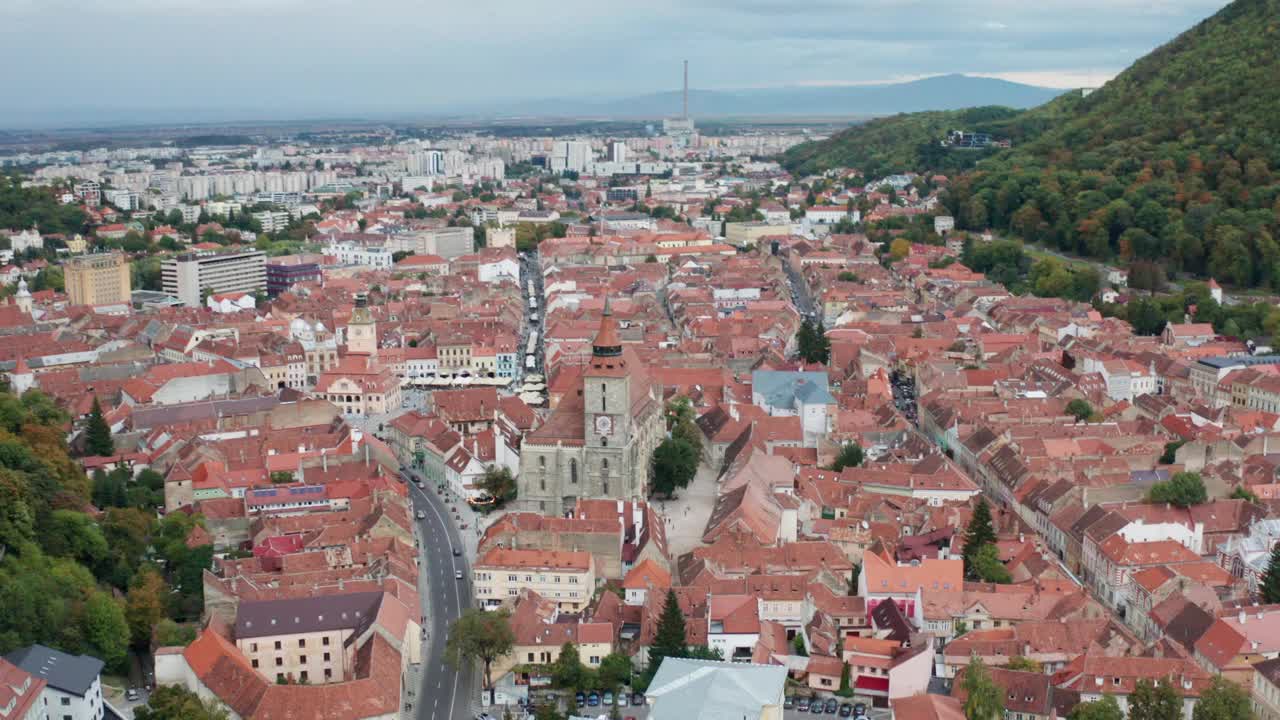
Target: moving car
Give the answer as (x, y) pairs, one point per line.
(421, 515)
(457, 552)
(457, 574)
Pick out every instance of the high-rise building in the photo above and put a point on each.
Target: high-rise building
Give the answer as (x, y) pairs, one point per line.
(188, 276)
(617, 151)
(570, 155)
(97, 279)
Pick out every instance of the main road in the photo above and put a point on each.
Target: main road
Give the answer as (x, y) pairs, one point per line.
(442, 693)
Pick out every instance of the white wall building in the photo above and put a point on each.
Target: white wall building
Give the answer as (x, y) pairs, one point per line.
(74, 690)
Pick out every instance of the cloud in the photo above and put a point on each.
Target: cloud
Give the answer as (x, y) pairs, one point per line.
(336, 57)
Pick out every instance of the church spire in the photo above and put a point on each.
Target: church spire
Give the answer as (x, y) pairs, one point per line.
(607, 343)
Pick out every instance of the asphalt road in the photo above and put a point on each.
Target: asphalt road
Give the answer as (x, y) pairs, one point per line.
(442, 693)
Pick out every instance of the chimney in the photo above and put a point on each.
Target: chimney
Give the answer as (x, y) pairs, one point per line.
(684, 113)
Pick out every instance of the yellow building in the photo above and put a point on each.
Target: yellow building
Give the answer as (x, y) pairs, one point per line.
(97, 279)
(567, 578)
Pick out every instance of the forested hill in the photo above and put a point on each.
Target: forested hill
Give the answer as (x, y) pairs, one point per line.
(1174, 161)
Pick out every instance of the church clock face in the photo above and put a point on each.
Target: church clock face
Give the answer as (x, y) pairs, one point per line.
(604, 425)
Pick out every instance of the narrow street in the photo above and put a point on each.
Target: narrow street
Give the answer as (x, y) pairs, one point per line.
(439, 692)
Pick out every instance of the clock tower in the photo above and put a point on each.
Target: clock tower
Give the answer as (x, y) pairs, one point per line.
(607, 417)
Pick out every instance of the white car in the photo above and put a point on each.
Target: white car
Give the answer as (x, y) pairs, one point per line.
(457, 574)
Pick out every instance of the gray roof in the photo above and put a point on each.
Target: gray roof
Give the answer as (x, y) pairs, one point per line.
(781, 388)
(265, 618)
(73, 674)
(713, 690)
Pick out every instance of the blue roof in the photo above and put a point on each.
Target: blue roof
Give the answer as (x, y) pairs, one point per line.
(785, 389)
(73, 674)
(1242, 361)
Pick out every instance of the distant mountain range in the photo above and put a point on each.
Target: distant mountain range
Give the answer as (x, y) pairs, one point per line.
(942, 92)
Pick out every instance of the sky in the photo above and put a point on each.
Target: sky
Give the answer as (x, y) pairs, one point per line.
(72, 63)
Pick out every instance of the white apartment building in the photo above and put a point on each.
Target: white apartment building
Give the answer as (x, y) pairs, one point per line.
(189, 276)
(272, 220)
(74, 689)
(353, 253)
(572, 155)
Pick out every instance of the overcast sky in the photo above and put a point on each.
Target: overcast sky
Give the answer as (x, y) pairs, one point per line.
(222, 59)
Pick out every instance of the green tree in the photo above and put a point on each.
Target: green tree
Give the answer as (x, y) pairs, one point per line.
(681, 421)
(850, 455)
(498, 483)
(480, 636)
(1184, 489)
(1023, 664)
(1170, 454)
(983, 698)
(1105, 709)
(1155, 702)
(675, 462)
(1223, 700)
(812, 343)
(174, 702)
(106, 630)
(97, 438)
(985, 565)
(145, 605)
(567, 671)
(670, 638)
(171, 634)
(979, 533)
(1080, 409)
(615, 671)
(1269, 585)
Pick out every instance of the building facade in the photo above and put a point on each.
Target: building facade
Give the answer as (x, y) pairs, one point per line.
(566, 578)
(189, 276)
(598, 442)
(97, 279)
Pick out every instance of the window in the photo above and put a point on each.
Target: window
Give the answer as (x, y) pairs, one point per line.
(255, 663)
(279, 662)
(595, 659)
(573, 471)
(324, 640)
(604, 389)
(253, 647)
(304, 676)
(542, 483)
(326, 657)
(605, 487)
(328, 674)
(302, 659)
(530, 657)
(302, 643)
(542, 463)
(278, 645)
(280, 678)
(66, 701)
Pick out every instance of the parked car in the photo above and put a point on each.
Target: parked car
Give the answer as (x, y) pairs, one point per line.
(815, 707)
(593, 699)
(607, 697)
(789, 702)
(457, 552)
(637, 699)
(859, 710)
(846, 710)
(580, 698)
(831, 707)
(802, 704)
(131, 694)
